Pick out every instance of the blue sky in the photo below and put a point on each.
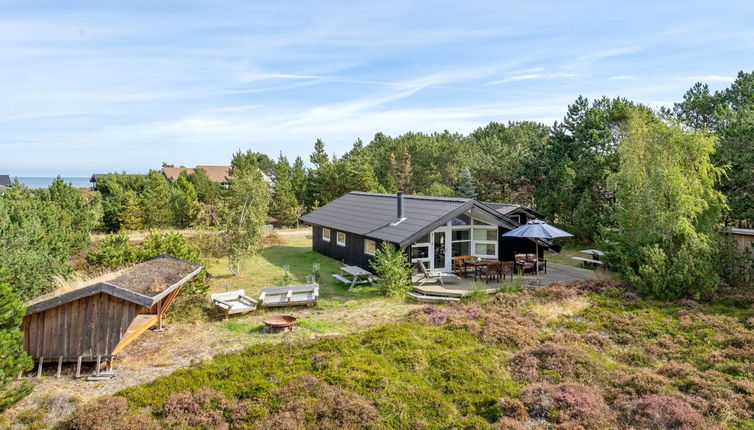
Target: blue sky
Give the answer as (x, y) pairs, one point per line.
(103, 86)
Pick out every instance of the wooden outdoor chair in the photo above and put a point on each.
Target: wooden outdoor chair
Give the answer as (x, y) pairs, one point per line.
(233, 302)
(459, 265)
(490, 272)
(436, 276)
(507, 268)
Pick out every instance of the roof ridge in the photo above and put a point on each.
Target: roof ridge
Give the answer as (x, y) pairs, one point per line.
(413, 196)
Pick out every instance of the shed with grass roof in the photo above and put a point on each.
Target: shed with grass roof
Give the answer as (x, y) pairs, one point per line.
(95, 322)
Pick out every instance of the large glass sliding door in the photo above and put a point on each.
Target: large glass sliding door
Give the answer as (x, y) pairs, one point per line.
(438, 247)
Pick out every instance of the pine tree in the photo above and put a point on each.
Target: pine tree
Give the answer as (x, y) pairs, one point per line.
(466, 185)
(185, 202)
(298, 180)
(402, 171)
(319, 158)
(155, 201)
(131, 216)
(284, 205)
(13, 359)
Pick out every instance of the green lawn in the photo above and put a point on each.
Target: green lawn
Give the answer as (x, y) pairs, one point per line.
(266, 269)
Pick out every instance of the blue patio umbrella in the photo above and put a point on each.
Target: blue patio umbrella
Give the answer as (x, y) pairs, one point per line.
(537, 229)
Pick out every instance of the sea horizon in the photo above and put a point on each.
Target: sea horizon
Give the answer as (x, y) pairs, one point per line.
(45, 181)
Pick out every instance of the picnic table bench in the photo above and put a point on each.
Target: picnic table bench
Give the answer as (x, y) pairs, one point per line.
(357, 274)
(292, 295)
(584, 261)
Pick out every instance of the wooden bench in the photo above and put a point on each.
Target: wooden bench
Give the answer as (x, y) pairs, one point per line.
(423, 298)
(294, 295)
(584, 261)
(342, 279)
(233, 302)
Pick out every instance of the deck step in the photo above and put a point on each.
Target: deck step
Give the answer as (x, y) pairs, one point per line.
(423, 298)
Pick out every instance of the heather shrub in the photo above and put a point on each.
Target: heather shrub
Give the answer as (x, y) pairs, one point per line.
(206, 407)
(663, 412)
(309, 403)
(570, 405)
(639, 384)
(107, 414)
(514, 409)
(558, 291)
(553, 362)
(506, 423)
(508, 328)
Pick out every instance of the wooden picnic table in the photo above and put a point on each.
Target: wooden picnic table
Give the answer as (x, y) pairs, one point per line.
(595, 253)
(357, 274)
(478, 264)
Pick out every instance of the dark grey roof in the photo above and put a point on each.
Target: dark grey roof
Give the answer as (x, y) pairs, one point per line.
(507, 208)
(5, 181)
(97, 176)
(150, 271)
(371, 215)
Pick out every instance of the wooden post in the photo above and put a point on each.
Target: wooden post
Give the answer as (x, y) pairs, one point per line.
(99, 360)
(109, 367)
(20, 374)
(39, 369)
(78, 367)
(60, 367)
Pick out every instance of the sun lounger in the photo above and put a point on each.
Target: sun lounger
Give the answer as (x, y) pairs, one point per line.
(294, 295)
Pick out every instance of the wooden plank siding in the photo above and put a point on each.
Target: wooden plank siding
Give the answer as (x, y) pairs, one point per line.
(352, 254)
(87, 327)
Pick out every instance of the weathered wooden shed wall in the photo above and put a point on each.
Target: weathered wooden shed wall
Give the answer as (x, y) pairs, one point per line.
(89, 326)
(744, 239)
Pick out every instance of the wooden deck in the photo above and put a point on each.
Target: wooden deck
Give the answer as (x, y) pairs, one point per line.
(462, 289)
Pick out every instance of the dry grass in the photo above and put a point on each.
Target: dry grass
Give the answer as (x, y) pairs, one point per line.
(551, 311)
(74, 282)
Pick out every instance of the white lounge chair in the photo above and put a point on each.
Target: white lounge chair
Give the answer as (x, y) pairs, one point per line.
(436, 276)
(233, 302)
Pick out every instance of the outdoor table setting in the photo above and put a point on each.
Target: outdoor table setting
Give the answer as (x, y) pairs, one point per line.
(479, 264)
(356, 274)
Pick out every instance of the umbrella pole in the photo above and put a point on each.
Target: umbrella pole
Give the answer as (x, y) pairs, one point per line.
(536, 258)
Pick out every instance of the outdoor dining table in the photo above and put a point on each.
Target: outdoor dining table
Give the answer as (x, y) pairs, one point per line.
(478, 264)
(595, 253)
(358, 276)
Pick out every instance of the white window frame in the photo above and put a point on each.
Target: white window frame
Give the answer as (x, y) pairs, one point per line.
(365, 246)
(329, 233)
(337, 238)
(516, 218)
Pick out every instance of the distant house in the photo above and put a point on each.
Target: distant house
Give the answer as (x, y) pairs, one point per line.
(5, 181)
(96, 177)
(216, 173)
(430, 229)
(744, 239)
(95, 322)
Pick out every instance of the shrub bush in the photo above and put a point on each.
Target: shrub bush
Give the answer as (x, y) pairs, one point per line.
(392, 266)
(109, 413)
(113, 252)
(309, 403)
(663, 412)
(206, 408)
(552, 362)
(570, 405)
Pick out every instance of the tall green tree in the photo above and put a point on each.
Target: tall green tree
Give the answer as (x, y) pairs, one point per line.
(284, 206)
(667, 209)
(507, 161)
(730, 114)
(13, 359)
(207, 190)
(298, 180)
(320, 177)
(580, 154)
(245, 207)
(319, 157)
(155, 201)
(466, 186)
(185, 202)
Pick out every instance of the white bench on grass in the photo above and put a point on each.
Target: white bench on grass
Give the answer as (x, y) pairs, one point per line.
(292, 295)
(233, 302)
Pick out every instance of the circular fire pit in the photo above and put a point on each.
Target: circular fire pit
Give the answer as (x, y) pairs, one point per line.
(279, 324)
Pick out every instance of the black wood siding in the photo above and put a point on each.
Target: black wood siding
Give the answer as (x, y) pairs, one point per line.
(352, 254)
(508, 247)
